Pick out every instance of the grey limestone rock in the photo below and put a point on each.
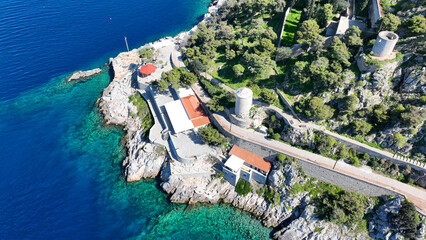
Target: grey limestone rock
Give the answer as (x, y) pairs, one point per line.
(83, 74)
(414, 81)
(309, 226)
(144, 159)
(379, 226)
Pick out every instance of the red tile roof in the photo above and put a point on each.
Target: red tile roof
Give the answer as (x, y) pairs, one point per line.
(251, 158)
(195, 111)
(197, 122)
(193, 107)
(148, 69)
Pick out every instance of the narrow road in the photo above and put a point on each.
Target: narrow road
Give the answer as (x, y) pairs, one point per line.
(294, 122)
(416, 195)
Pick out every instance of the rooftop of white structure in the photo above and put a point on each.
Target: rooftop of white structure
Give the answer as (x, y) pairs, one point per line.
(234, 163)
(244, 93)
(388, 35)
(178, 116)
(184, 92)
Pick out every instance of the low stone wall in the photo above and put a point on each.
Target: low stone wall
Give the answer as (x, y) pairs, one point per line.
(244, 123)
(282, 28)
(377, 153)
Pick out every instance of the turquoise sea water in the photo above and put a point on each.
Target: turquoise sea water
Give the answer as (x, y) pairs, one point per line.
(61, 175)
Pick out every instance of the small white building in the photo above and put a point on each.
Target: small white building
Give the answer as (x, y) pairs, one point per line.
(246, 165)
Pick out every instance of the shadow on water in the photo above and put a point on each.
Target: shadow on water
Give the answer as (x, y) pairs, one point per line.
(199, 18)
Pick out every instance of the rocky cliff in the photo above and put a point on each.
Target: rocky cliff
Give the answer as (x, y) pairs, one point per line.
(143, 160)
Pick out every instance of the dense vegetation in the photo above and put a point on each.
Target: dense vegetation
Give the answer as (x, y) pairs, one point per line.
(406, 220)
(243, 187)
(143, 112)
(176, 78)
(342, 207)
(238, 47)
(212, 136)
(328, 146)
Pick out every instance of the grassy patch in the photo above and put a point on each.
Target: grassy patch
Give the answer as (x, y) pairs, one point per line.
(297, 188)
(379, 63)
(143, 111)
(291, 26)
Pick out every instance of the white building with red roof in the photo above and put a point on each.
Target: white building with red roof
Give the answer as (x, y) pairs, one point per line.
(187, 112)
(246, 165)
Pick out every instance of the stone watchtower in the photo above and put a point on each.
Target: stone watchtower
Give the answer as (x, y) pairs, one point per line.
(384, 44)
(243, 102)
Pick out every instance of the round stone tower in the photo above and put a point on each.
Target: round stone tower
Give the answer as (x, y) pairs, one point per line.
(243, 102)
(384, 44)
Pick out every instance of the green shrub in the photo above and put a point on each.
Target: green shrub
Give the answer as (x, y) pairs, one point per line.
(342, 207)
(416, 24)
(212, 136)
(243, 187)
(361, 127)
(406, 219)
(400, 140)
(297, 188)
(147, 53)
(281, 157)
(385, 5)
(276, 136)
(355, 161)
(413, 131)
(271, 196)
(269, 96)
(361, 83)
(143, 111)
(315, 108)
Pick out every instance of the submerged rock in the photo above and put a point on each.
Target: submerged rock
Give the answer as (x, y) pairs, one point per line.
(83, 74)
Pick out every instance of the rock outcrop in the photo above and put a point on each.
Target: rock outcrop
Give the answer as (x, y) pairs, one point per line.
(143, 160)
(84, 74)
(114, 102)
(380, 227)
(212, 190)
(309, 226)
(414, 80)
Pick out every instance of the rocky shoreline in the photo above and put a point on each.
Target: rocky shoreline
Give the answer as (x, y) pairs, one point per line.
(293, 218)
(83, 74)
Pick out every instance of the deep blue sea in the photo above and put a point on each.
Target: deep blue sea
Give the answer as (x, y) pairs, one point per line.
(60, 174)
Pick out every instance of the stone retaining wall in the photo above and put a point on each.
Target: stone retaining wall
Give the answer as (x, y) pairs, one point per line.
(319, 172)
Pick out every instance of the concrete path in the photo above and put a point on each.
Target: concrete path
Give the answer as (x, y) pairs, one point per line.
(416, 195)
